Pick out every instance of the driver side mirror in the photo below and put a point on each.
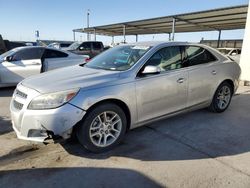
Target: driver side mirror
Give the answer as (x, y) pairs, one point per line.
(8, 58)
(151, 70)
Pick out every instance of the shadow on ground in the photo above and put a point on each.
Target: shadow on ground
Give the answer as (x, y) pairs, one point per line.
(196, 135)
(7, 92)
(75, 177)
(5, 125)
(5, 122)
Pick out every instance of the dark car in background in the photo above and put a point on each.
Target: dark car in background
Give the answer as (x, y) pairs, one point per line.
(90, 48)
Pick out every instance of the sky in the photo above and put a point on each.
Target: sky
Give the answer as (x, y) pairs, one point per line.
(55, 19)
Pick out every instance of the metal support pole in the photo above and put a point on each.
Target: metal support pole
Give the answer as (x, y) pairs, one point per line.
(94, 35)
(88, 36)
(113, 40)
(74, 35)
(173, 29)
(124, 33)
(136, 37)
(169, 36)
(218, 42)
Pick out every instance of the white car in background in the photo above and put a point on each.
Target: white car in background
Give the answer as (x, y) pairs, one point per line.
(22, 62)
(232, 53)
(61, 46)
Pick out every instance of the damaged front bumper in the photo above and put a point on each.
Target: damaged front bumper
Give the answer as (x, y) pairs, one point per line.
(40, 125)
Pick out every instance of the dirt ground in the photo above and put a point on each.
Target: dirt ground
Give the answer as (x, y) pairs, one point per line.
(197, 149)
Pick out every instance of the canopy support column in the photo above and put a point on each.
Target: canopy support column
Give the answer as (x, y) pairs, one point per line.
(169, 36)
(173, 29)
(136, 37)
(113, 40)
(218, 42)
(124, 33)
(74, 35)
(94, 35)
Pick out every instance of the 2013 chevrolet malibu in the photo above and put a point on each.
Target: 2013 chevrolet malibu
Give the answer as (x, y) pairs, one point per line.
(120, 89)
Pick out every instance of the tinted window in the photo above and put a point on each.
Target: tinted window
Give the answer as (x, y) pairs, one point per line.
(198, 55)
(54, 54)
(27, 54)
(86, 46)
(167, 59)
(64, 45)
(97, 46)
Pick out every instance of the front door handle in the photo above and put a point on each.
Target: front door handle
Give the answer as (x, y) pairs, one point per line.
(214, 72)
(180, 80)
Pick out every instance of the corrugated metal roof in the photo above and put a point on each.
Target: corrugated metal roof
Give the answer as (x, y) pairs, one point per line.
(216, 19)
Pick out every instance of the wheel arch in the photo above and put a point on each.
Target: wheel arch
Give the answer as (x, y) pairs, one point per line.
(119, 103)
(230, 82)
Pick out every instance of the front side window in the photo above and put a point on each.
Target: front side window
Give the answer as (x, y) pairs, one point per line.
(119, 58)
(198, 55)
(168, 58)
(85, 46)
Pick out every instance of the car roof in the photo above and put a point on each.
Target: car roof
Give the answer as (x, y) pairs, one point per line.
(228, 48)
(170, 43)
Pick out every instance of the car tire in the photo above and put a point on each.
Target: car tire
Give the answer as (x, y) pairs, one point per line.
(222, 98)
(103, 128)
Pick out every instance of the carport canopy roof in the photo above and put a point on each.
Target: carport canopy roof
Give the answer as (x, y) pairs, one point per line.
(228, 18)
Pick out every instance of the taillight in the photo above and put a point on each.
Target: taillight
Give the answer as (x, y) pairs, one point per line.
(87, 60)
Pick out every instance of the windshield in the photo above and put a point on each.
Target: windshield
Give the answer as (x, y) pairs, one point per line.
(119, 58)
(224, 51)
(74, 46)
(8, 53)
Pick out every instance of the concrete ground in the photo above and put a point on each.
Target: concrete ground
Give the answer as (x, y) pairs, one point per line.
(197, 149)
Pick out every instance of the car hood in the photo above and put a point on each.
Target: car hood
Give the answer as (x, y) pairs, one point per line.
(69, 78)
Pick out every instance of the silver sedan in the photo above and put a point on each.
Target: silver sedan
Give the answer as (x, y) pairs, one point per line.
(22, 62)
(120, 89)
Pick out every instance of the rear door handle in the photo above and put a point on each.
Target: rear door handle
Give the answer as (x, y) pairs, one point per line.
(214, 72)
(180, 80)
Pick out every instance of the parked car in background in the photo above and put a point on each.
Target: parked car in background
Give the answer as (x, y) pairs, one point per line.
(61, 46)
(22, 62)
(233, 53)
(90, 48)
(120, 89)
(6, 45)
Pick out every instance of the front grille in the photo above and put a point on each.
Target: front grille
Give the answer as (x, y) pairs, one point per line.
(21, 94)
(17, 105)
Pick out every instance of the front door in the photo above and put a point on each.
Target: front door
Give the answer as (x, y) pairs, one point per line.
(24, 63)
(162, 93)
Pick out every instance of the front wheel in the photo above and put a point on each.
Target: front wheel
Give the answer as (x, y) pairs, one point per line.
(222, 98)
(103, 128)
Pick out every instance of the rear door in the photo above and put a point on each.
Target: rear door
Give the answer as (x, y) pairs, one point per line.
(54, 59)
(25, 62)
(203, 70)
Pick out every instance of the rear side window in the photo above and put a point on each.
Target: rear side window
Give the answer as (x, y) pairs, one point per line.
(198, 55)
(97, 46)
(28, 54)
(54, 54)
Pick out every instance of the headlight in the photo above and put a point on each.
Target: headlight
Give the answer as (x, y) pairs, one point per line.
(52, 100)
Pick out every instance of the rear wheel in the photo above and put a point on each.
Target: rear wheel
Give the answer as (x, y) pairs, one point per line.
(103, 128)
(222, 98)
